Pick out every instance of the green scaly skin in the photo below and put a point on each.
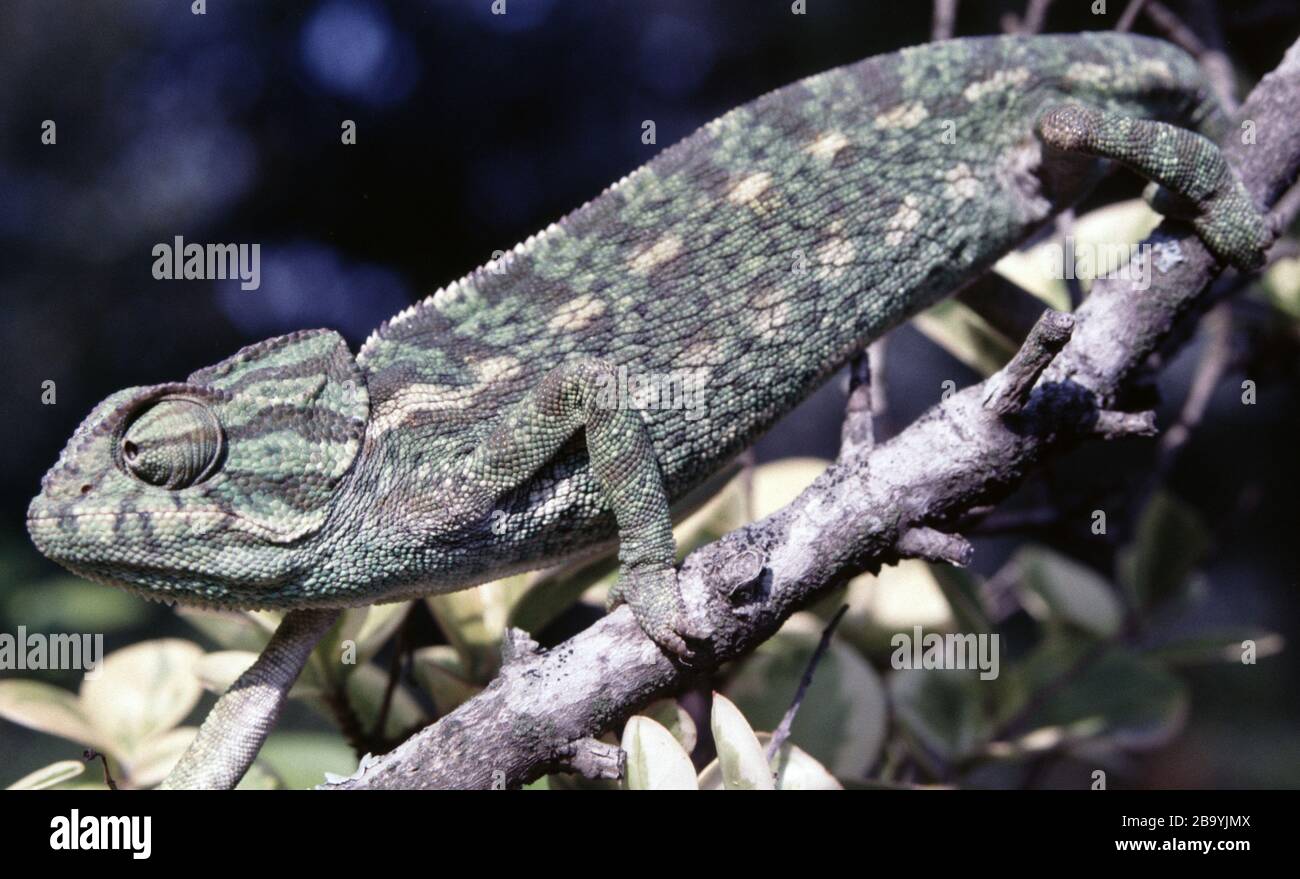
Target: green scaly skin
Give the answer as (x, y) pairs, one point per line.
(475, 435)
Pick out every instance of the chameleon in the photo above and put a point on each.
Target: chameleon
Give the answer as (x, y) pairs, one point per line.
(486, 430)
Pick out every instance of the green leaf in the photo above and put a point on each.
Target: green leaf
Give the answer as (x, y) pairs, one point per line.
(49, 776)
(943, 709)
(843, 719)
(233, 630)
(141, 691)
(674, 718)
(1129, 701)
(47, 709)
(655, 760)
(740, 756)
(1170, 543)
(1056, 587)
(792, 767)
(442, 675)
(796, 769)
(961, 589)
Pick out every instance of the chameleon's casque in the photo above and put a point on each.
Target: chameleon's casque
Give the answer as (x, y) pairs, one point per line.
(469, 437)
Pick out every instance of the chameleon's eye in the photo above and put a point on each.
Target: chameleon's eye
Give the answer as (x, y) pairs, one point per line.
(173, 444)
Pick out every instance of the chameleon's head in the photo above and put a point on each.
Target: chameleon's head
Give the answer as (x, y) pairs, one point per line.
(207, 492)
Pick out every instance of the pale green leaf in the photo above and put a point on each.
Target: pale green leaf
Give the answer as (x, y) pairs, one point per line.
(1056, 587)
(474, 621)
(675, 719)
(49, 776)
(47, 709)
(233, 630)
(1129, 701)
(1170, 543)
(655, 760)
(744, 767)
(793, 768)
(142, 691)
(796, 769)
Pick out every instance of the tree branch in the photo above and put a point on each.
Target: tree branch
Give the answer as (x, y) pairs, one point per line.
(957, 456)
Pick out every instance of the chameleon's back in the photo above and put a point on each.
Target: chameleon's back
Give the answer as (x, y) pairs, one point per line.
(747, 262)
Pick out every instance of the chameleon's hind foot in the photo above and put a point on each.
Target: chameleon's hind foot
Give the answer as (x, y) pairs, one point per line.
(656, 603)
(1192, 180)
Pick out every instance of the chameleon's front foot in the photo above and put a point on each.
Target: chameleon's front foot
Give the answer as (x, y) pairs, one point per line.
(1192, 180)
(656, 602)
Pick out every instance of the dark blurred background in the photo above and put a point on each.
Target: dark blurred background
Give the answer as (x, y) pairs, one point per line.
(473, 131)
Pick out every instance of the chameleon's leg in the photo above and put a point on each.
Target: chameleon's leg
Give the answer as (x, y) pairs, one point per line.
(1193, 181)
(233, 732)
(623, 461)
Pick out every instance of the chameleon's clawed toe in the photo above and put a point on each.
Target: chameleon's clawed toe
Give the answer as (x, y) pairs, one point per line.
(653, 596)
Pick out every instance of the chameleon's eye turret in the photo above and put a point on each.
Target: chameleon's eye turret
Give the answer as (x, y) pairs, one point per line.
(173, 444)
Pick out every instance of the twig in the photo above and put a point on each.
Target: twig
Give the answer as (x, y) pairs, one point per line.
(1008, 391)
(857, 432)
(1035, 16)
(1214, 362)
(1129, 15)
(91, 754)
(944, 21)
(394, 673)
(1213, 60)
(782, 731)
